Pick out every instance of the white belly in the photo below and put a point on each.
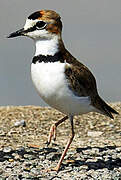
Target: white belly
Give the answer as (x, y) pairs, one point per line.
(51, 84)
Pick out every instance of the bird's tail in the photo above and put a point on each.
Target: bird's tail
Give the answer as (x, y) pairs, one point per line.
(104, 108)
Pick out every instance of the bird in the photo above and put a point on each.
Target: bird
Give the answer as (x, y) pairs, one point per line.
(60, 79)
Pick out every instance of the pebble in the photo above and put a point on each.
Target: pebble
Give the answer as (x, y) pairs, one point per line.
(26, 169)
(118, 149)
(1, 171)
(92, 163)
(35, 171)
(29, 156)
(98, 156)
(11, 160)
(16, 156)
(20, 123)
(7, 149)
(94, 133)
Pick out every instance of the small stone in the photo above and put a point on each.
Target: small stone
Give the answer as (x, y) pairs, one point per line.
(33, 146)
(94, 133)
(21, 150)
(41, 158)
(111, 126)
(70, 161)
(20, 123)
(7, 157)
(1, 171)
(35, 171)
(84, 167)
(77, 169)
(7, 149)
(27, 169)
(28, 156)
(11, 160)
(118, 149)
(2, 133)
(17, 157)
(94, 151)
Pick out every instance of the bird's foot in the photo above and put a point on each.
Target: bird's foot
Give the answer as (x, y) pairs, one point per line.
(52, 134)
(55, 169)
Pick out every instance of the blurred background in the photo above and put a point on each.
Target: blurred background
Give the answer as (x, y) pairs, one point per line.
(91, 31)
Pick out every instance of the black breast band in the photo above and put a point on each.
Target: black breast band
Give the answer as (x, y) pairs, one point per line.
(48, 58)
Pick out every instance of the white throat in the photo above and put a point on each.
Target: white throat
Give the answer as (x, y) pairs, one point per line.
(47, 47)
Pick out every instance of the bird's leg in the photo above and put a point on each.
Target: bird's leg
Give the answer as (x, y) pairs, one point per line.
(67, 146)
(53, 130)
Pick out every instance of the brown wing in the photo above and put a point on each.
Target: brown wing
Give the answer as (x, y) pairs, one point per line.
(83, 83)
(81, 80)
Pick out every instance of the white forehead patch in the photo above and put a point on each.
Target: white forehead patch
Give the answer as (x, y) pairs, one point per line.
(30, 23)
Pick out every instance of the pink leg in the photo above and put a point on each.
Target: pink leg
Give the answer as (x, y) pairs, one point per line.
(67, 146)
(53, 129)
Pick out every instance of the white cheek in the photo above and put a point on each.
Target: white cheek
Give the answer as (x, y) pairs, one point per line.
(38, 34)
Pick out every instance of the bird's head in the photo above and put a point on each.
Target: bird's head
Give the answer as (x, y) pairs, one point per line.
(44, 24)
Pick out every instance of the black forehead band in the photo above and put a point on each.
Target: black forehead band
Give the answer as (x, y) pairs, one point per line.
(35, 15)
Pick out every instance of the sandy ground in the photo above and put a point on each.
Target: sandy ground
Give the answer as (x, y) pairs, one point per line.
(95, 152)
(90, 130)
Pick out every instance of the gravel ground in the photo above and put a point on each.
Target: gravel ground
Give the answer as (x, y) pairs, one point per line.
(95, 152)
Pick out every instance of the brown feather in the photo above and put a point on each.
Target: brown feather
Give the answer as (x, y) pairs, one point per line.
(82, 82)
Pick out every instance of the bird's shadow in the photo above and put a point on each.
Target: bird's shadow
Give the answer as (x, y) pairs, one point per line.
(101, 163)
(53, 154)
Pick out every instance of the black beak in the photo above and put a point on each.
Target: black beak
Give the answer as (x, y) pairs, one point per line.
(20, 32)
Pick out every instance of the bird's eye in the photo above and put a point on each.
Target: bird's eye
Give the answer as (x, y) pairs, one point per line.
(40, 25)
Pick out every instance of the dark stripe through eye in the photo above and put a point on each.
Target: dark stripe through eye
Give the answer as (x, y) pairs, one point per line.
(31, 29)
(38, 25)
